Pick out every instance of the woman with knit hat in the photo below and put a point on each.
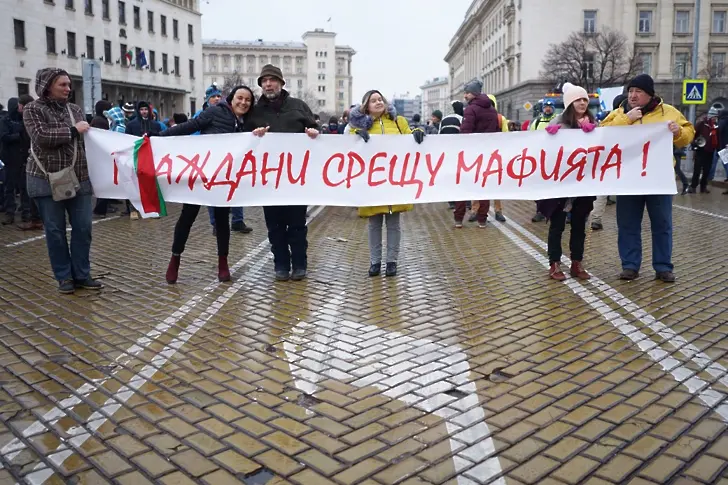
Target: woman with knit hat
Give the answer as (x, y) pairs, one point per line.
(576, 115)
(375, 116)
(227, 116)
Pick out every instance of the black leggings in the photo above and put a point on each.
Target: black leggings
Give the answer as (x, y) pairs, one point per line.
(187, 218)
(576, 240)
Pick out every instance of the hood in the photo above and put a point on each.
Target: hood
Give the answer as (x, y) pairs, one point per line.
(101, 106)
(115, 116)
(140, 105)
(483, 101)
(44, 78)
(13, 109)
(359, 120)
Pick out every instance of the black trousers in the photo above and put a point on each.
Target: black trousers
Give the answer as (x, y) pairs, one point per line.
(187, 218)
(15, 184)
(287, 233)
(703, 164)
(576, 240)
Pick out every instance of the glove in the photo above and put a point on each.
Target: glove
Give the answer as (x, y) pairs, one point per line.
(418, 135)
(552, 129)
(587, 127)
(363, 134)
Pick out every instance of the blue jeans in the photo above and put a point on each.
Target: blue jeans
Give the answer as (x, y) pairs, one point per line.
(237, 214)
(73, 265)
(711, 174)
(629, 225)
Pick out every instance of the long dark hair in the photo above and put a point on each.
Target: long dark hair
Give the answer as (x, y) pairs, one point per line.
(570, 119)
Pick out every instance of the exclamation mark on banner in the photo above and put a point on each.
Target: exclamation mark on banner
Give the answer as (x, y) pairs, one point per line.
(645, 150)
(116, 170)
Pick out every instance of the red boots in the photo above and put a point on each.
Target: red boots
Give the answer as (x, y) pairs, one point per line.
(173, 269)
(578, 271)
(223, 272)
(556, 273)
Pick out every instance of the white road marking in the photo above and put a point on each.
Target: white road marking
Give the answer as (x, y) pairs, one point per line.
(680, 372)
(98, 418)
(702, 212)
(68, 229)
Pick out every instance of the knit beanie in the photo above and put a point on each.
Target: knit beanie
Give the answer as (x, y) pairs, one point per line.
(271, 70)
(128, 108)
(212, 91)
(437, 114)
(572, 93)
(474, 87)
(643, 82)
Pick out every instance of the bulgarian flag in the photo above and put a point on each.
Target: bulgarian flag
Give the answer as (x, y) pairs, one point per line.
(151, 201)
(129, 56)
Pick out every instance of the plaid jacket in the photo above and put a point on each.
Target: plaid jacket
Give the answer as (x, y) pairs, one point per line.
(49, 126)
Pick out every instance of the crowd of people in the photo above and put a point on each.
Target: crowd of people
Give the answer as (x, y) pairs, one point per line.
(46, 169)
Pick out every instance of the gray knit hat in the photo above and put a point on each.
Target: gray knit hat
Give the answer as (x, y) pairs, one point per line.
(474, 87)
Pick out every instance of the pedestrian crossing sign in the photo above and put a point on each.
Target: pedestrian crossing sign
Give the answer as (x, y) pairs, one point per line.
(695, 91)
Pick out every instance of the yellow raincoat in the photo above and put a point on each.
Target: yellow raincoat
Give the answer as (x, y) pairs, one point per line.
(385, 125)
(662, 113)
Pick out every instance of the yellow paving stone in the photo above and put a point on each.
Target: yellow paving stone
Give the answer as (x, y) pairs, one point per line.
(235, 462)
(705, 468)
(357, 472)
(290, 426)
(574, 470)
(285, 443)
(317, 460)
(331, 427)
(323, 442)
(534, 469)
(362, 450)
(133, 478)
(308, 476)
(395, 473)
(565, 448)
(618, 468)
(279, 462)
(204, 443)
(645, 447)
(176, 478)
(221, 477)
(177, 427)
(661, 469)
(110, 463)
(193, 463)
(127, 445)
(153, 464)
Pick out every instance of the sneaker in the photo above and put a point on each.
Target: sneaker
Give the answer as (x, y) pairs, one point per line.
(684, 190)
(298, 274)
(499, 217)
(665, 276)
(482, 225)
(88, 284)
(66, 287)
(538, 217)
(134, 216)
(283, 275)
(597, 226)
(375, 269)
(704, 191)
(555, 272)
(391, 269)
(459, 225)
(241, 227)
(628, 275)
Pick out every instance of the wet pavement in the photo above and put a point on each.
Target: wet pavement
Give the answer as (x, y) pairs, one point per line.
(469, 367)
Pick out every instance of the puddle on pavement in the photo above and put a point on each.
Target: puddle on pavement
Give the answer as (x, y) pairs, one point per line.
(499, 376)
(259, 477)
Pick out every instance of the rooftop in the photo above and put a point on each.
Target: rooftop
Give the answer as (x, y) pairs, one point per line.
(435, 81)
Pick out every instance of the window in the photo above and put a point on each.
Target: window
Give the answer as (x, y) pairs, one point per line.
(322, 89)
(23, 88)
(150, 21)
(719, 18)
(69, 4)
(341, 95)
(122, 51)
(645, 22)
(71, 39)
(646, 62)
(175, 29)
(192, 68)
(190, 34)
(163, 24)
(717, 64)
(50, 40)
(90, 47)
(107, 51)
(19, 27)
(164, 64)
(176, 66)
(137, 57)
(590, 21)
(322, 102)
(105, 10)
(152, 61)
(137, 18)
(682, 21)
(300, 83)
(88, 7)
(341, 83)
(681, 65)
(588, 66)
(122, 13)
(193, 106)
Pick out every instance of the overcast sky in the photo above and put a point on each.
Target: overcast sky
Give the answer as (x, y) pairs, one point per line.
(399, 43)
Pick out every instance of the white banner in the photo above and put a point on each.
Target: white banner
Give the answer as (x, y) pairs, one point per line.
(280, 169)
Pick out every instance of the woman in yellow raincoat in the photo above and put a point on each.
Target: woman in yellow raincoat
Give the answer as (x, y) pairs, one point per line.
(375, 116)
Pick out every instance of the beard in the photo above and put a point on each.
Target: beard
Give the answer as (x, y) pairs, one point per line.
(271, 95)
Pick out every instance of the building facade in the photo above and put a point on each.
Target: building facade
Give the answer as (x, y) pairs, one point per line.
(315, 70)
(408, 106)
(148, 51)
(436, 96)
(500, 43)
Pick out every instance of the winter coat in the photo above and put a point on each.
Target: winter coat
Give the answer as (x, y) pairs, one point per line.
(388, 124)
(710, 133)
(99, 122)
(285, 114)
(480, 116)
(214, 120)
(117, 119)
(139, 126)
(13, 137)
(655, 112)
(52, 132)
(580, 205)
(450, 124)
(723, 129)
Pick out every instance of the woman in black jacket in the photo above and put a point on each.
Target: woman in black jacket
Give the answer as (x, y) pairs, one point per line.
(225, 117)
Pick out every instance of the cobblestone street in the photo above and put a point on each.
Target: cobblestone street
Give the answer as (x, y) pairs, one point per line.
(469, 367)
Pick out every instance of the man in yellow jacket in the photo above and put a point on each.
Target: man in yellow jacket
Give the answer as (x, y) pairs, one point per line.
(643, 106)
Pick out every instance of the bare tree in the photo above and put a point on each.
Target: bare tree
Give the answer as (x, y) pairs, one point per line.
(308, 97)
(591, 60)
(230, 81)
